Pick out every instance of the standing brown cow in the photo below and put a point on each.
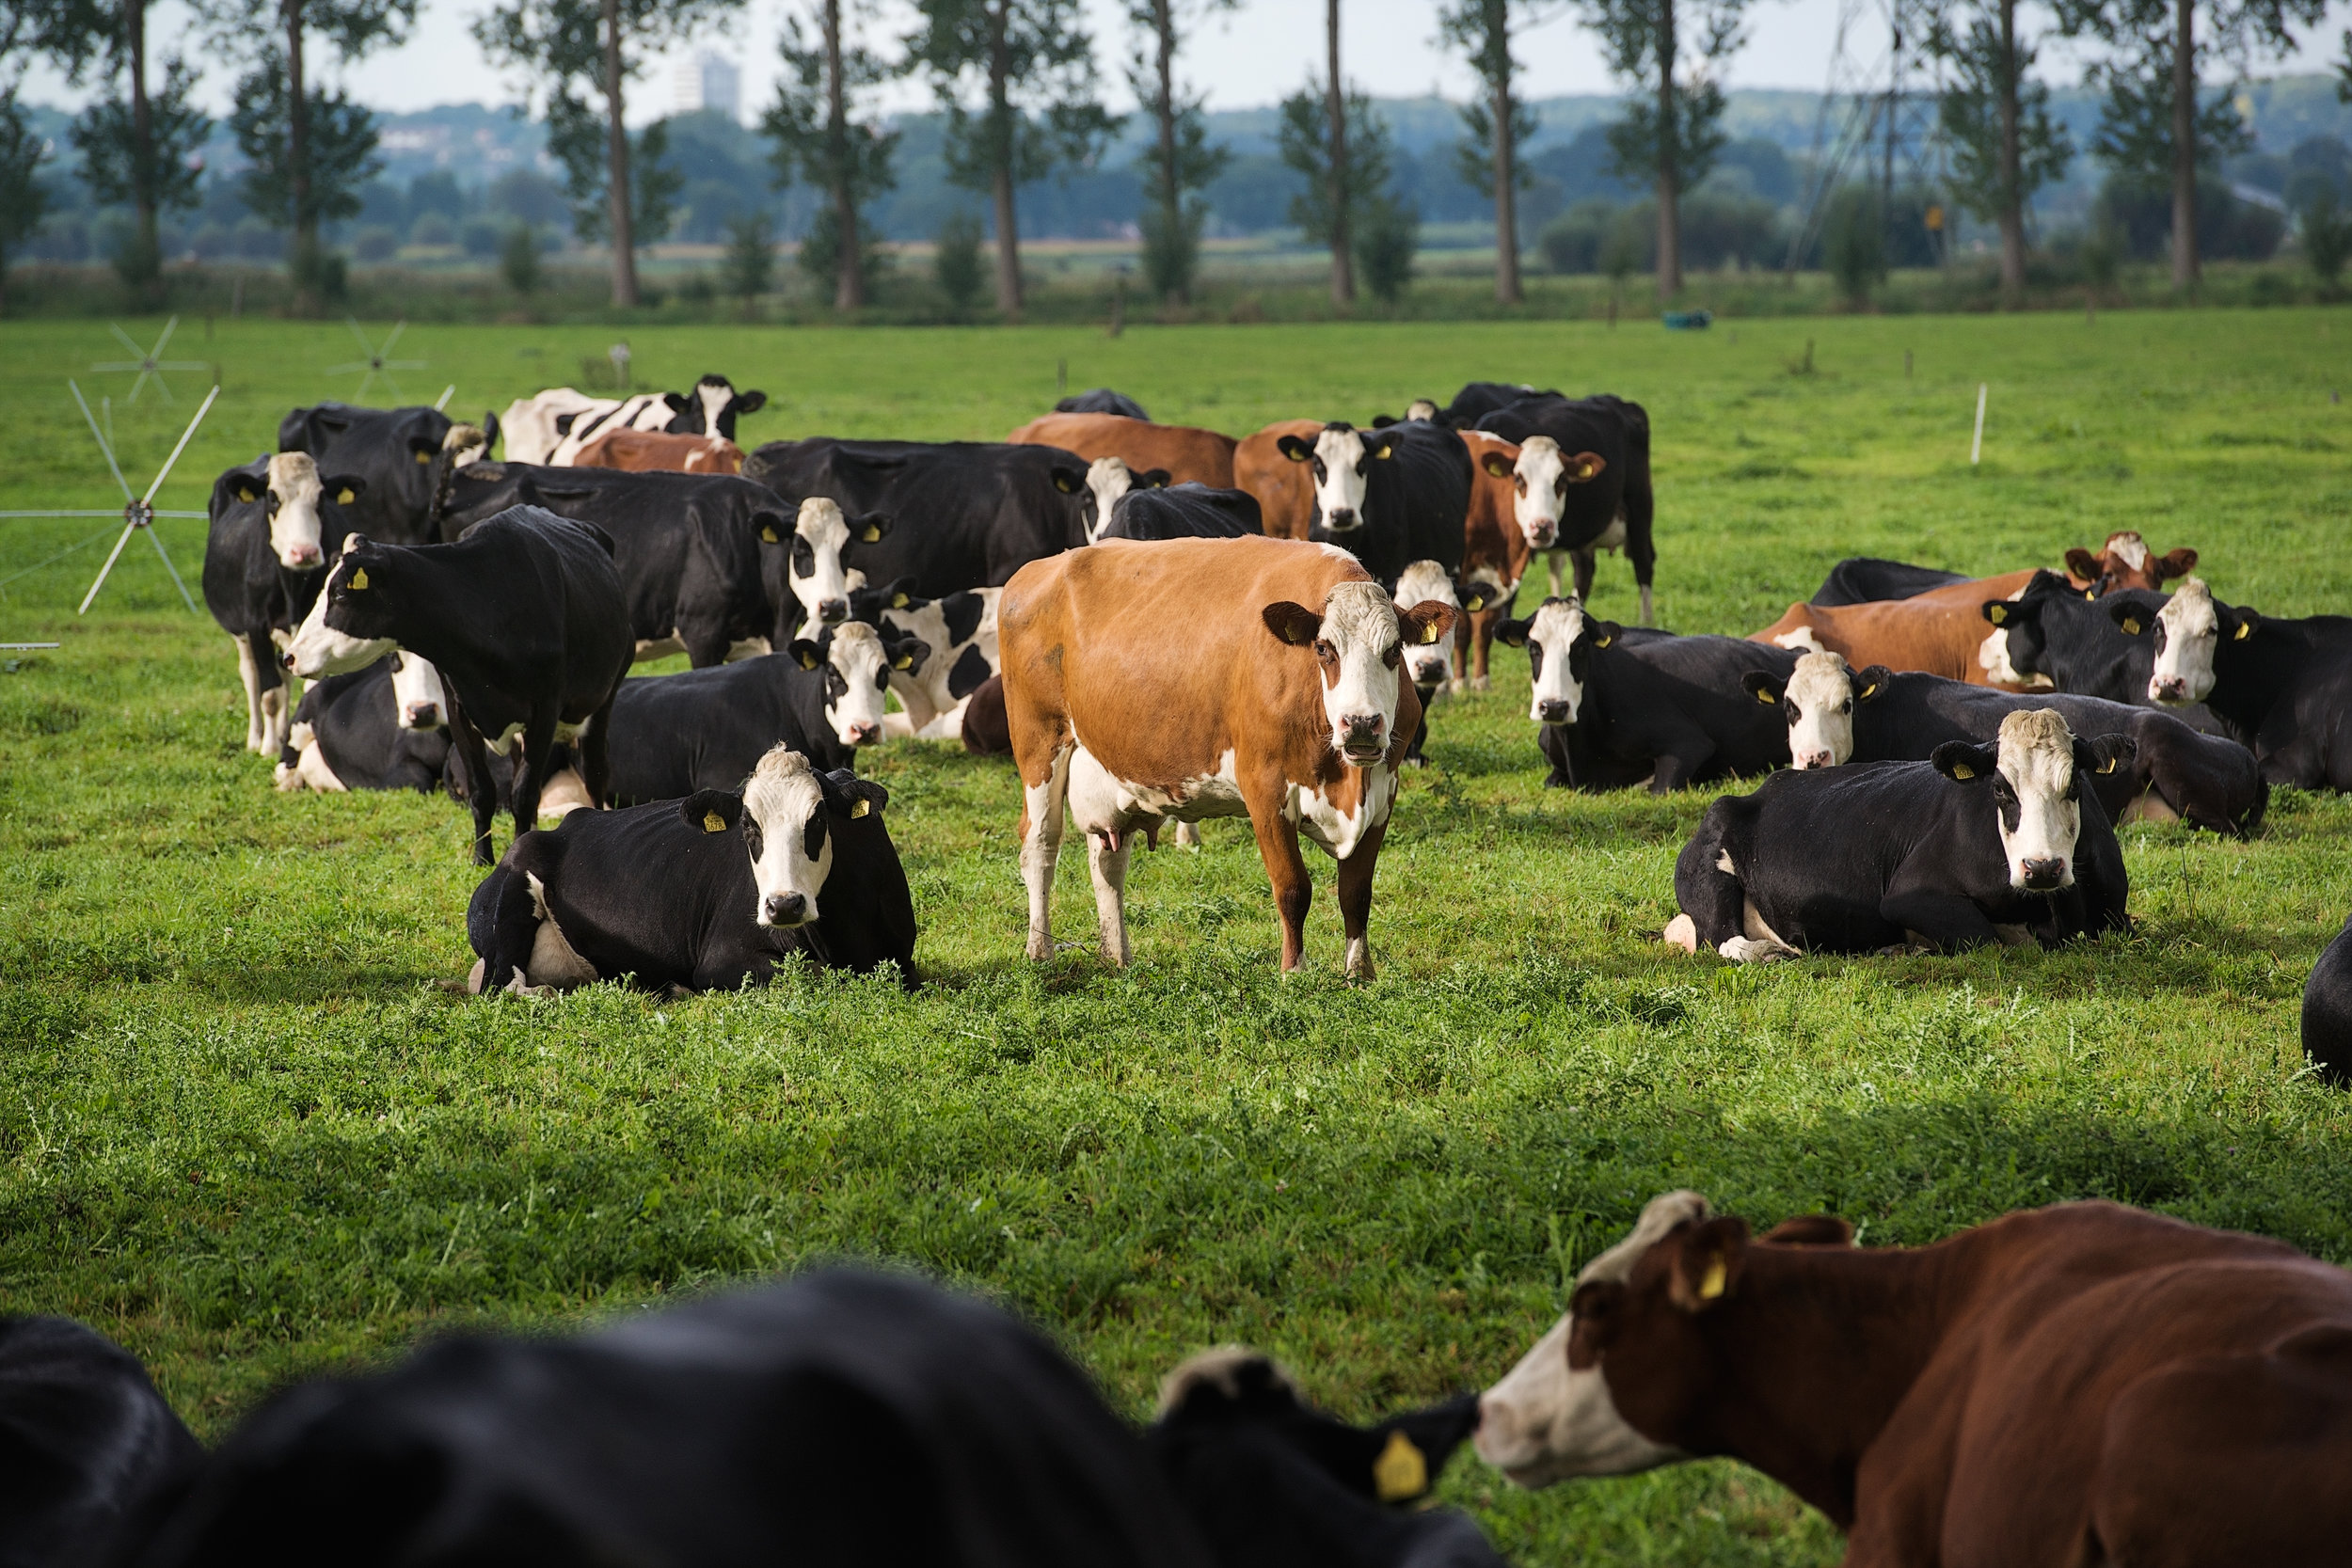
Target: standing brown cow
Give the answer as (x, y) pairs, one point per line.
(1285, 490)
(1189, 678)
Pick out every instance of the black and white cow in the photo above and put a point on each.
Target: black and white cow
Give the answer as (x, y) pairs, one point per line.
(1389, 497)
(266, 551)
(1476, 400)
(1618, 708)
(1109, 481)
(525, 619)
(551, 427)
(1614, 507)
(377, 728)
(1870, 579)
(707, 893)
(1427, 664)
(1102, 399)
(1983, 843)
(2282, 686)
(400, 455)
(2327, 1011)
(708, 561)
(1837, 715)
(968, 514)
(2059, 632)
(959, 631)
(86, 1444)
(1183, 512)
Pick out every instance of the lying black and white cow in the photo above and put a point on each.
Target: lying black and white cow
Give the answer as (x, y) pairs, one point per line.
(968, 514)
(1102, 399)
(525, 620)
(1614, 505)
(1983, 843)
(377, 728)
(266, 551)
(2056, 630)
(708, 892)
(1870, 579)
(1619, 708)
(1389, 497)
(1837, 715)
(706, 560)
(86, 1444)
(2327, 1011)
(400, 455)
(552, 426)
(959, 631)
(2283, 687)
(1183, 511)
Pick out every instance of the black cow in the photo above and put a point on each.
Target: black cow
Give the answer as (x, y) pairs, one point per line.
(968, 514)
(709, 892)
(401, 453)
(1273, 1483)
(1615, 508)
(1982, 843)
(1619, 708)
(86, 1444)
(273, 526)
(1836, 715)
(2282, 686)
(1183, 512)
(1101, 399)
(705, 560)
(1389, 497)
(525, 620)
(2057, 631)
(2327, 1011)
(1869, 579)
(1478, 399)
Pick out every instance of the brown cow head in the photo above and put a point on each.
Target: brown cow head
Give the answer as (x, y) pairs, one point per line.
(2126, 562)
(1359, 642)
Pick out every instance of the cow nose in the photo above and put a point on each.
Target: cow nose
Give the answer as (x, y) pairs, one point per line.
(2045, 873)
(1554, 710)
(302, 555)
(864, 733)
(1362, 732)
(2170, 690)
(1340, 520)
(1817, 759)
(286, 658)
(832, 611)
(424, 716)
(1540, 538)
(784, 909)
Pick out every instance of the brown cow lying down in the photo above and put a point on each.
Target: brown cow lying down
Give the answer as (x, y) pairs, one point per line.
(1942, 631)
(1190, 456)
(640, 452)
(2078, 1384)
(1188, 678)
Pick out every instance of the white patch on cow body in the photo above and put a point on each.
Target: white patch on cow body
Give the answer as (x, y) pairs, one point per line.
(1820, 702)
(319, 649)
(554, 964)
(310, 767)
(564, 794)
(1548, 1421)
(1340, 485)
(1802, 639)
(249, 676)
(2183, 674)
(1612, 538)
(2037, 758)
(1538, 485)
(417, 696)
(1426, 662)
(296, 532)
(714, 398)
(856, 655)
(1043, 805)
(1341, 832)
(1360, 625)
(781, 795)
(825, 593)
(1556, 625)
(1108, 479)
(925, 693)
(1753, 927)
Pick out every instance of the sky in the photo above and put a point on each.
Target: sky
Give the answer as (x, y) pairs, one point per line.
(1254, 54)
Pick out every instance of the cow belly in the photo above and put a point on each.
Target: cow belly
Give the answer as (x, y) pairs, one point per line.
(1612, 537)
(1102, 802)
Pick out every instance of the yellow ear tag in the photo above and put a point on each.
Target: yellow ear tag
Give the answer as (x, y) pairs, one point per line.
(860, 806)
(1602, 642)
(359, 579)
(1718, 1275)
(1766, 698)
(1400, 1472)
(714, 823)
(2108, 765)
(1868, 691)
(247, 496)
(897, 601)
(1996, 613)
(2131, 625)
(871, 536)
(904, 661)
(2243, 627)
(425, 457)
(2090, 593)
(1429, 633)
(1388, 453)
(1476, 604)
(1962, 771)
(345, 497)
(767, 533)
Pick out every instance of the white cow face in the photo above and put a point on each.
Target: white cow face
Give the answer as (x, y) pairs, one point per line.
(2035, 774)
(1424, 582)
(293, 492)
(416, 691)
(857, 665)
(1107, 479)
(347, 626)
(1342, 456)
(819, 581)
(2189, 630)
(1818, 703)
(1560, 639)
(789, 813)
(1540, 478)
(1358, 641)
(1549, 1421)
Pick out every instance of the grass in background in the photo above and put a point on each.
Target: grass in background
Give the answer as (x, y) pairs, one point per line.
(245, 1129)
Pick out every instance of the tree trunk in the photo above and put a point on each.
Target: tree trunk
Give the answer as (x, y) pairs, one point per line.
(849, 289)
(142, 127)
(2185, 271)
(616, 165)
(2013, 205)
(1002, 133)
(1335, 112)
(1507, 158)
(1172, 195)
(1669, 169)
(306, 217)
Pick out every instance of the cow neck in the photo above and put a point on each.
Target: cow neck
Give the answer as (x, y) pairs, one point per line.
(2250, 678)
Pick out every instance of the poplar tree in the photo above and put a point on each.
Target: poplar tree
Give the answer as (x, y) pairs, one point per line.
(822, 132)
(1180, 162)
(2005, 146)
(1489, 154)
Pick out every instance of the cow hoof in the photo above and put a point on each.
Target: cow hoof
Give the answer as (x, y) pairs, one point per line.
(1683, 933)
(473, 980)
(1040, 947)
(1482, 683)
(1187, 835)
(1745, 950)
(288, 779)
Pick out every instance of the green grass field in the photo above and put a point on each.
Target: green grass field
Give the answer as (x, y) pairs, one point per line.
(246, 1129)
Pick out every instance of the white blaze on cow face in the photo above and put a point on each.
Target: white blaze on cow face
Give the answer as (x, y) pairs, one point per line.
(1419, 582)
(2040, 801)
(2189, 629)
(1361, 649)
(1539, 482)
(1820, 705)
(857, 672)
(1341, 463)
(416, 691)
(318, 649)
(296, 531)
(1421, 411)
(819, 581)
(714, 398)
(1552, 635)
(1108, 479)
(1549, 1421)
(785, 833)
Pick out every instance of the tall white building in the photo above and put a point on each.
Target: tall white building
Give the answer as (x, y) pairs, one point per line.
(706, 81)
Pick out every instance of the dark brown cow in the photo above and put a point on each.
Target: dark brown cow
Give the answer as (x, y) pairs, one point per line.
(1188, 678)
(1190, 456)
(640, 452)
(1285, 490)
(2079, 1384)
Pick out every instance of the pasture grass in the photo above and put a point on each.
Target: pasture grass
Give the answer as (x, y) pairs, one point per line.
(246, 1128)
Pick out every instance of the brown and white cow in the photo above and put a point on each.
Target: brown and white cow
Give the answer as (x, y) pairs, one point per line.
(2082, 1383)
(1285, 489)
(640, 452)
(1190, 456)
(1189, 678)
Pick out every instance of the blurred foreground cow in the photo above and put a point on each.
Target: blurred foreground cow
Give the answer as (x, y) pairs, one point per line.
(2085, 1384)
(1208, 678)
(86, 1443)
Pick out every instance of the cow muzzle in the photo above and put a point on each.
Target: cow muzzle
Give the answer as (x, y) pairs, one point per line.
(1345, 520)
(1555, 710)
(831, 613)
(2171, 690)
(1363, 738)
(1823, 758)
(2044, 875)
(1541, 535)
(302, 555)
(783, 909)
(421, 716)
(862, 733)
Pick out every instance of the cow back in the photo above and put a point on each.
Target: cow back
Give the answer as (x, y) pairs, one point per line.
(1190, 456)
(1183, 512)
(397, 450)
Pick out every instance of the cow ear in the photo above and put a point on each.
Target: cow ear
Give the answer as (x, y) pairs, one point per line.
(1152, 478)
(1960, 761)
(1870, 683)
(1604, 632)
(2179, 563)
(677, 403)
(1476, 596)
(1708, 1260)
(847, 795)
(249, 495)
(750, 403)
(1514, 632)
(1382, 447)
(712, 810)
(908, 654)
(2083, 566)
(1811, 1231)
(771, 525)
(2128, 615)
(1596, 1309)
(1293, 447)
(871, 528)
(2243, 622)
(1068, 481)
(423, 451)
(1760, 685)
(2104, 753)
(1584, 468)
(1426, 622)
(1497, 464)
(807, 654)
(1290, 622)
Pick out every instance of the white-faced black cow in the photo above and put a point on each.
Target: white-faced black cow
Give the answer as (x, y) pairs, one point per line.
(1982, 843)
(707, 560)
(377, 728)
(1427, 664)
(1838, 715)
(1102, 399)
(552, 426)
(1389, 497)
(525, 620)
(1183, 511)
(707, 893)
(1618, 708)
(1110, 480)
(2282, 686)
(2327, 1011)
(1613, 507)
(959, 631)
(403, 456)
(86, 1444)
(2065, 636)
(266, 551)
(968, 514)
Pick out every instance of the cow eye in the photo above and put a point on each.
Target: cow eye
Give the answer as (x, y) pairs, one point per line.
(812, 836)
(1394, 655)
(881, 678)
(1325, 652)
(1846, 707)
(804, 559)
(751, 837)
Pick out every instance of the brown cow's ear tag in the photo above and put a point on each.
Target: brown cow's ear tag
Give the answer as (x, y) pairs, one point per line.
(714, 823)
(860, 806)
(1401, 1472)
(1429, 633)
(768, 532)
(1717, 1276)
(2131, 625)
(359, 579)
(1996, 613)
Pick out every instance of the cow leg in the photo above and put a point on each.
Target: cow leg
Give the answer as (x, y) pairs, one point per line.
(1681, 761)
(1709, 893)
(1042, 820)
(705, 644)
(481, 791)
(249, 676)
(1187, 835)
(1108, 866)
(1584, 561)
(513, 932)
(1641, 506)
(1482, 634)
(593, 746)
(1278, 846)
(533, 768)
(1355, 894)
(1553, 561)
